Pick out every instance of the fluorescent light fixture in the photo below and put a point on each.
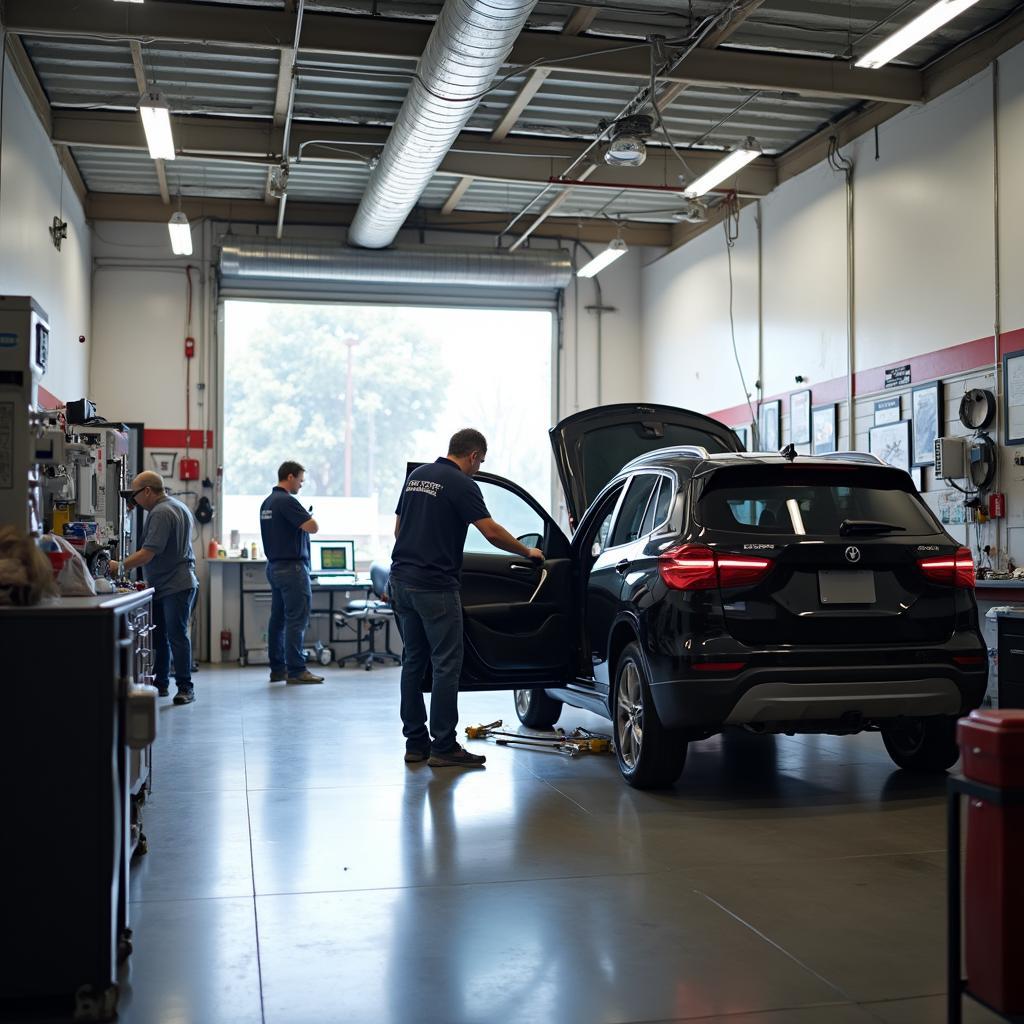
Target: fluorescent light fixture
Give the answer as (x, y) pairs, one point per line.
(156, 119)
(923, 25)
(181, 234)
(616, 248)
(128, 1)
(724, 169)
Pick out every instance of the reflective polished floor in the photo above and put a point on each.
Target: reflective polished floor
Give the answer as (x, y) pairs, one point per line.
(300, 873)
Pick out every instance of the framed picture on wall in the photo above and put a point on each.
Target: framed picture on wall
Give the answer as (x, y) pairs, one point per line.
(926, 414)
(743, 433)
(1013, 397)
(887, 410)
(800, 417)
(891, 443)
(917, 475)
(824, 428)
(769, 427)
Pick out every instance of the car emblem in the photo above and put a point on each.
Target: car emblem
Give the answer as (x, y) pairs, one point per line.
(852, 554)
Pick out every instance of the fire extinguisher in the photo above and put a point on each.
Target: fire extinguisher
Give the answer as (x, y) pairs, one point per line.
(225, 639)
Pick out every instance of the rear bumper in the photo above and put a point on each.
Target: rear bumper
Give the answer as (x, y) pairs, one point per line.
(822, 694)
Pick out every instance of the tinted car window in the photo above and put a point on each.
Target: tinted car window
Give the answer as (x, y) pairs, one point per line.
(811, 501)
(652, 507)
(631, 514)
(664, 501)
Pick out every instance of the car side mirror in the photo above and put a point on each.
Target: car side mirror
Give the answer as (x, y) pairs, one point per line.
(530, 540)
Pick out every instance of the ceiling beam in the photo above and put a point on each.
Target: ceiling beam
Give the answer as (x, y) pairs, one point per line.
(106, 206)
(339, 35)
(284, 85)
(515, 159)
(455, 197)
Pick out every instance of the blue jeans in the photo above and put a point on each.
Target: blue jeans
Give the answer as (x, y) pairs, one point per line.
(430, 623)
(172, 614)
(291, 597)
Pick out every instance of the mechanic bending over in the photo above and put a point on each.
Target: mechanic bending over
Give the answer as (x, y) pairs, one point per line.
(437, 505)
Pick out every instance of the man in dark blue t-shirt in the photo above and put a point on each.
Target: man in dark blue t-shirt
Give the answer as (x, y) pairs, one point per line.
(286, 526)
(437, 505)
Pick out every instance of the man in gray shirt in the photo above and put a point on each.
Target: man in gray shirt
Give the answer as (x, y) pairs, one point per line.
(165, 553)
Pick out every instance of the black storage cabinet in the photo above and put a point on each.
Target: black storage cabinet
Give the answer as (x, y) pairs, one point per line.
(1011, 657)
(69, 833)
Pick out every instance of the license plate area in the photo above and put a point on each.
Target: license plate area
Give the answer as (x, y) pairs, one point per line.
(846, 587)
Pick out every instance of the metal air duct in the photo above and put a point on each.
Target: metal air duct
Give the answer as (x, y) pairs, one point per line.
(243, 258)
(470, 42)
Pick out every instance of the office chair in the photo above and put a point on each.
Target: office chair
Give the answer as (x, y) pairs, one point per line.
(370, 616)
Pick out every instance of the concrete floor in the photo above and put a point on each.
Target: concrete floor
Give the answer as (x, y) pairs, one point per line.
(300, 872)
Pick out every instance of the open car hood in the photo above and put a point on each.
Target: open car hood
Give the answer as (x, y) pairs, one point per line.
(593, 445)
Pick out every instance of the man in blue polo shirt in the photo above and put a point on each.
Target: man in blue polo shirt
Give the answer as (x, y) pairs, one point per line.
(437, 505)
(286, 526)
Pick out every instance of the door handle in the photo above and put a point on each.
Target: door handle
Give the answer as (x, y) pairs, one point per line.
(525, 568)
(621, 567)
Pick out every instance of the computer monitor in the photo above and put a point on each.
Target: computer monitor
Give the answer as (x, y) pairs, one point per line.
(332, 557)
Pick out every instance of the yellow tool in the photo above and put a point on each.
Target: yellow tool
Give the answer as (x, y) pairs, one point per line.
(479, 732)
(579, 741)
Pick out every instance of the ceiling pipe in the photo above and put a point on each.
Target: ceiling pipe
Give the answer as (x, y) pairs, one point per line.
(264, 259)
(467, 47)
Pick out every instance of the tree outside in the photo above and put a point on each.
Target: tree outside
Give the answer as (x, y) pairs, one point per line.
(285, 397)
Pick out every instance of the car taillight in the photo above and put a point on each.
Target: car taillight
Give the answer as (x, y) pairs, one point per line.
(694, 567)
(952, 570)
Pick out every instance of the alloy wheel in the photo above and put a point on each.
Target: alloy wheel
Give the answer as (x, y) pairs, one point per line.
(522, 699)
(629, 716)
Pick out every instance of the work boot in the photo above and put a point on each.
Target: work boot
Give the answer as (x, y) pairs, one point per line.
(185, 696)
(457, 757)
(162, 690)
(416, 756)
(278, 677)
(305, 677)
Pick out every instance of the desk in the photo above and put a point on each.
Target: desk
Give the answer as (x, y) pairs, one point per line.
(233, 579)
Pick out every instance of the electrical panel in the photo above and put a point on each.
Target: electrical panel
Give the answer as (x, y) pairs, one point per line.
(950, 458)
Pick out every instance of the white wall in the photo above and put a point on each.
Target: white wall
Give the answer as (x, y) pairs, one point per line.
(30, 197)
(925, 278)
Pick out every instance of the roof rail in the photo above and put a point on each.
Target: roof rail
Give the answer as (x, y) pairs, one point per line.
(695, 451)
(867, 457)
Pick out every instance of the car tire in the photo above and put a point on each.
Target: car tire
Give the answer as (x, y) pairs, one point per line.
(536, 710)
(922, 744)
(649, 755)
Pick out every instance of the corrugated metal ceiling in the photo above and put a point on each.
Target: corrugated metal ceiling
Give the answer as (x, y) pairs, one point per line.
(368, 91)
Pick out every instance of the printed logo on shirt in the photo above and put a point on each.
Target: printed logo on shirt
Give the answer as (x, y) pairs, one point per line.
(266, 513)
(430, 487)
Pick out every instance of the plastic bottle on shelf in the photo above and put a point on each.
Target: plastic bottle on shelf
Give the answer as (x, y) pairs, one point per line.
(254, 553)
(212, 548)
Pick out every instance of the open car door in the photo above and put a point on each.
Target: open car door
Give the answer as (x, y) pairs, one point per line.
(519, 618)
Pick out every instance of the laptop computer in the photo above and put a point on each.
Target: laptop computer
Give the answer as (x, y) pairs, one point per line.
(332, 560)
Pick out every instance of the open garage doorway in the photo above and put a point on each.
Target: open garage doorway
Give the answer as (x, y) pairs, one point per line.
(355, 392)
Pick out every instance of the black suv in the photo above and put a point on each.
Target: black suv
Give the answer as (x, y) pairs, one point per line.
(707, 587)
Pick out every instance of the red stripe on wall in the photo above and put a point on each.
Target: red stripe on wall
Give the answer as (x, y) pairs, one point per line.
(48, 400)
(177, 439)
(971, 355)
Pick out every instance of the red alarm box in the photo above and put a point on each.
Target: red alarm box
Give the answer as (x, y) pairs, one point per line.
(996, 506)
(992, 747)
(189, 469)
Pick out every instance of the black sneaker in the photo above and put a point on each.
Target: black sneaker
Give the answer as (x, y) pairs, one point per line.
(184, 697)
(457, 757)
(416, 756)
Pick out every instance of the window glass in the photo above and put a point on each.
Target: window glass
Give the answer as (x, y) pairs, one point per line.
(648, 523)
(508, 509)
(664, 501)
(627, 527)
(810, 502)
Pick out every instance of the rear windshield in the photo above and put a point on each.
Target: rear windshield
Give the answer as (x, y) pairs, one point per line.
(607, 449)
(809, 501)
